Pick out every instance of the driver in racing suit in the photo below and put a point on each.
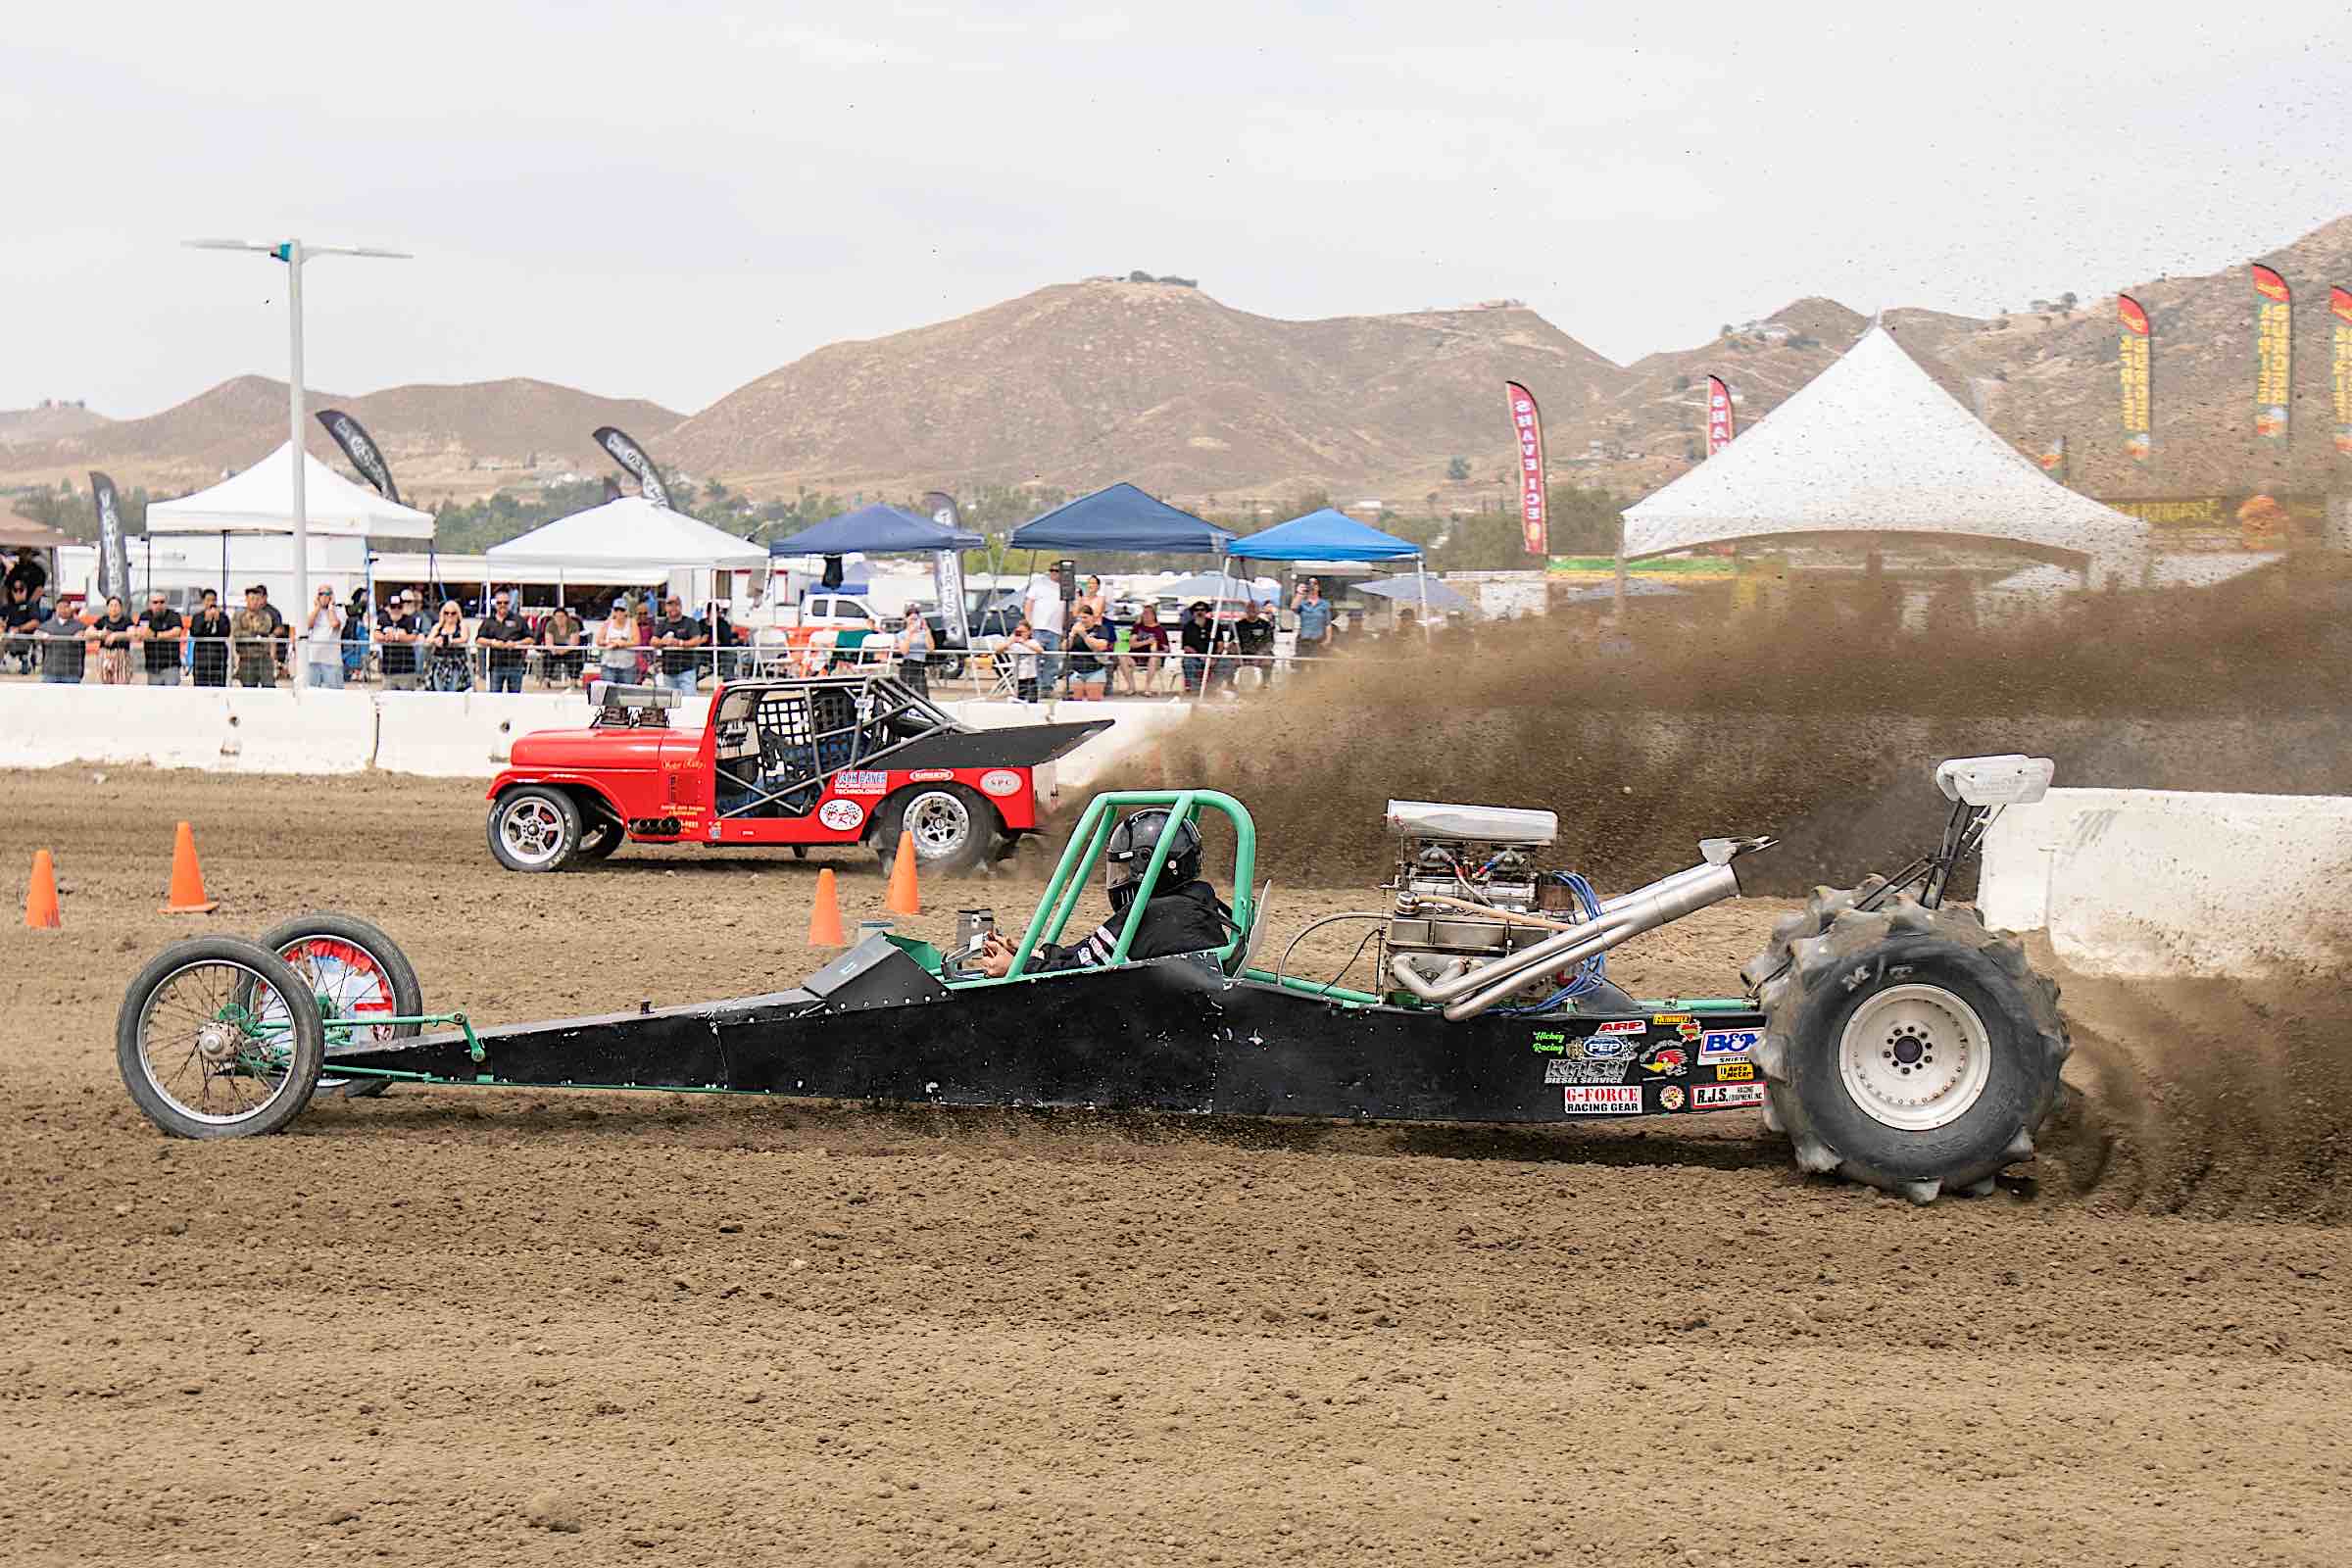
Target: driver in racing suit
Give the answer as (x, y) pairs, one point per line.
(1182, 916)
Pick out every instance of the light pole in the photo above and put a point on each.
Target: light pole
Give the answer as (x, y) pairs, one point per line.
(294, 253)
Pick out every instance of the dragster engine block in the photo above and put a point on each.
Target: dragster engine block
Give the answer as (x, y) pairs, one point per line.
(1471, 884)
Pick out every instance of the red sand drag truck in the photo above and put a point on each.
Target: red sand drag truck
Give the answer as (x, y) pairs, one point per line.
(832, 760)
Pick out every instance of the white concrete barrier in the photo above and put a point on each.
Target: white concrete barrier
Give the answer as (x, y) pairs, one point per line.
(226, 728)
(2176, 882)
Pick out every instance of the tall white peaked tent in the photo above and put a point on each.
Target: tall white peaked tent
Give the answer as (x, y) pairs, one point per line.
(1873, 445)
(261, 499)
(630, 534)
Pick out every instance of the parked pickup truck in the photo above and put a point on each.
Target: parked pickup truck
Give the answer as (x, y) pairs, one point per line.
(837, 759)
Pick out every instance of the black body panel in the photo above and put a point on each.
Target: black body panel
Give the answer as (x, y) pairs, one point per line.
(1169, 1034)
(1023, 746)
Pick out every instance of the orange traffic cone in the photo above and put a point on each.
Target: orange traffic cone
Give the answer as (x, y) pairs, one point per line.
(41, 899)
(901, 899)
(824, 926)
(187, 880)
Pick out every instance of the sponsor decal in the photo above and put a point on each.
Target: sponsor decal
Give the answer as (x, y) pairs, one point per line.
(1716, 1044)
(1551, 1041)
(1607, 1048)
(1623, 1026)
(1669, 1019)
(1604, 1100)
(840, 815)
(714, 830)
(1735, 1072)
(1584, 1072)
(1673, 1062)
(932, 775)
(859, 781)
(1714, 1097)
(1001, 781)
(1670, 1097)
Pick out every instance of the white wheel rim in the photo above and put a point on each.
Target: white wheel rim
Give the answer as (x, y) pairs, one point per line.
(940, 823)
(532, 831)
(1915, 1057)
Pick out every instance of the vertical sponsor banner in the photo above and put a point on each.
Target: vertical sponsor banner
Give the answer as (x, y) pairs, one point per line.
(1527, 427)
(2137, 363)
(2273, 353)
(364, 454)
(2339, 309)
(947, 571)
(630, 456)
(114, 551)
(2053, 458)
(1719, 416)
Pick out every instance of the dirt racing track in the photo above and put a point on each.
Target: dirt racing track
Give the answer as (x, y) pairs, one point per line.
(519, 1328)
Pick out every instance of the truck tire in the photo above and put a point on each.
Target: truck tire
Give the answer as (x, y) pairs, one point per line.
(355, 969)
(534, 828)
(1907, 1047)
(194, 1051)
(601, 838)
(953, 827)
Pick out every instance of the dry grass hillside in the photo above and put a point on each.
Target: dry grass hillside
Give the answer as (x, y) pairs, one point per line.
(458, 441)
(1081, 384)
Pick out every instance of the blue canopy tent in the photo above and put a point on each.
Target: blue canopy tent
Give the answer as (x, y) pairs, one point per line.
(1330, 535)
(874, 530)
(1123, 518)
(1326, 535)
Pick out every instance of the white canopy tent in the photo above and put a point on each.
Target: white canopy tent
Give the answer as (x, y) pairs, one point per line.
(261, 499)
(631, 539)
(1874, 446)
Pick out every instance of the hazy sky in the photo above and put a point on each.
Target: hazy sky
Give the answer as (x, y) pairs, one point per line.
(669, 201)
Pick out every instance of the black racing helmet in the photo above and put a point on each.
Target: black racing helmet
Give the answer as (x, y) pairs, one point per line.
(1129, 853)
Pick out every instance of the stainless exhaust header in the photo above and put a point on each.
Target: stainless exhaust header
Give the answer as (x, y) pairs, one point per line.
(1646, 908)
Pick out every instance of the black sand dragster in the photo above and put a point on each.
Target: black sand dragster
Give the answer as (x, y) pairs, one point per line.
(1892, 1039)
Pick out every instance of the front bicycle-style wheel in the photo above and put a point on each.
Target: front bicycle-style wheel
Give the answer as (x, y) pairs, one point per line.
(219, 1037)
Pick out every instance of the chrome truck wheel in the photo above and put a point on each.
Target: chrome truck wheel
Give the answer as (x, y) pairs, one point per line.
(952, 828)
(218, 1038)
(1905, 1047)
(534, 829)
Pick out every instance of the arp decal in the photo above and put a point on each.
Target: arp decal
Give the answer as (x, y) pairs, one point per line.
(1623, 1026)
(1716, 1044)
(932, 775)
(1602, 1099)
(859, 781)
(840, 815)
(1735, 1072)
(1670, 1097)
(1672, 1062)
(1715, 1097)
(1001, 781)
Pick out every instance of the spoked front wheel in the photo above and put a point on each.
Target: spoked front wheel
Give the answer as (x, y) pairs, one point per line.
(194, 1048)
(358, 974)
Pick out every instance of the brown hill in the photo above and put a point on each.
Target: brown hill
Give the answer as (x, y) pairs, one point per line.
(2032, 375)
(19, 426)
(1080, 384)
(460, 441)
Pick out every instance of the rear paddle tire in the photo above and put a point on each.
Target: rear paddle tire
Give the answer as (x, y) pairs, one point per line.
(535, 829)
(354, 969)
(952, 828)
(1905, 1047)
(195, 1050)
